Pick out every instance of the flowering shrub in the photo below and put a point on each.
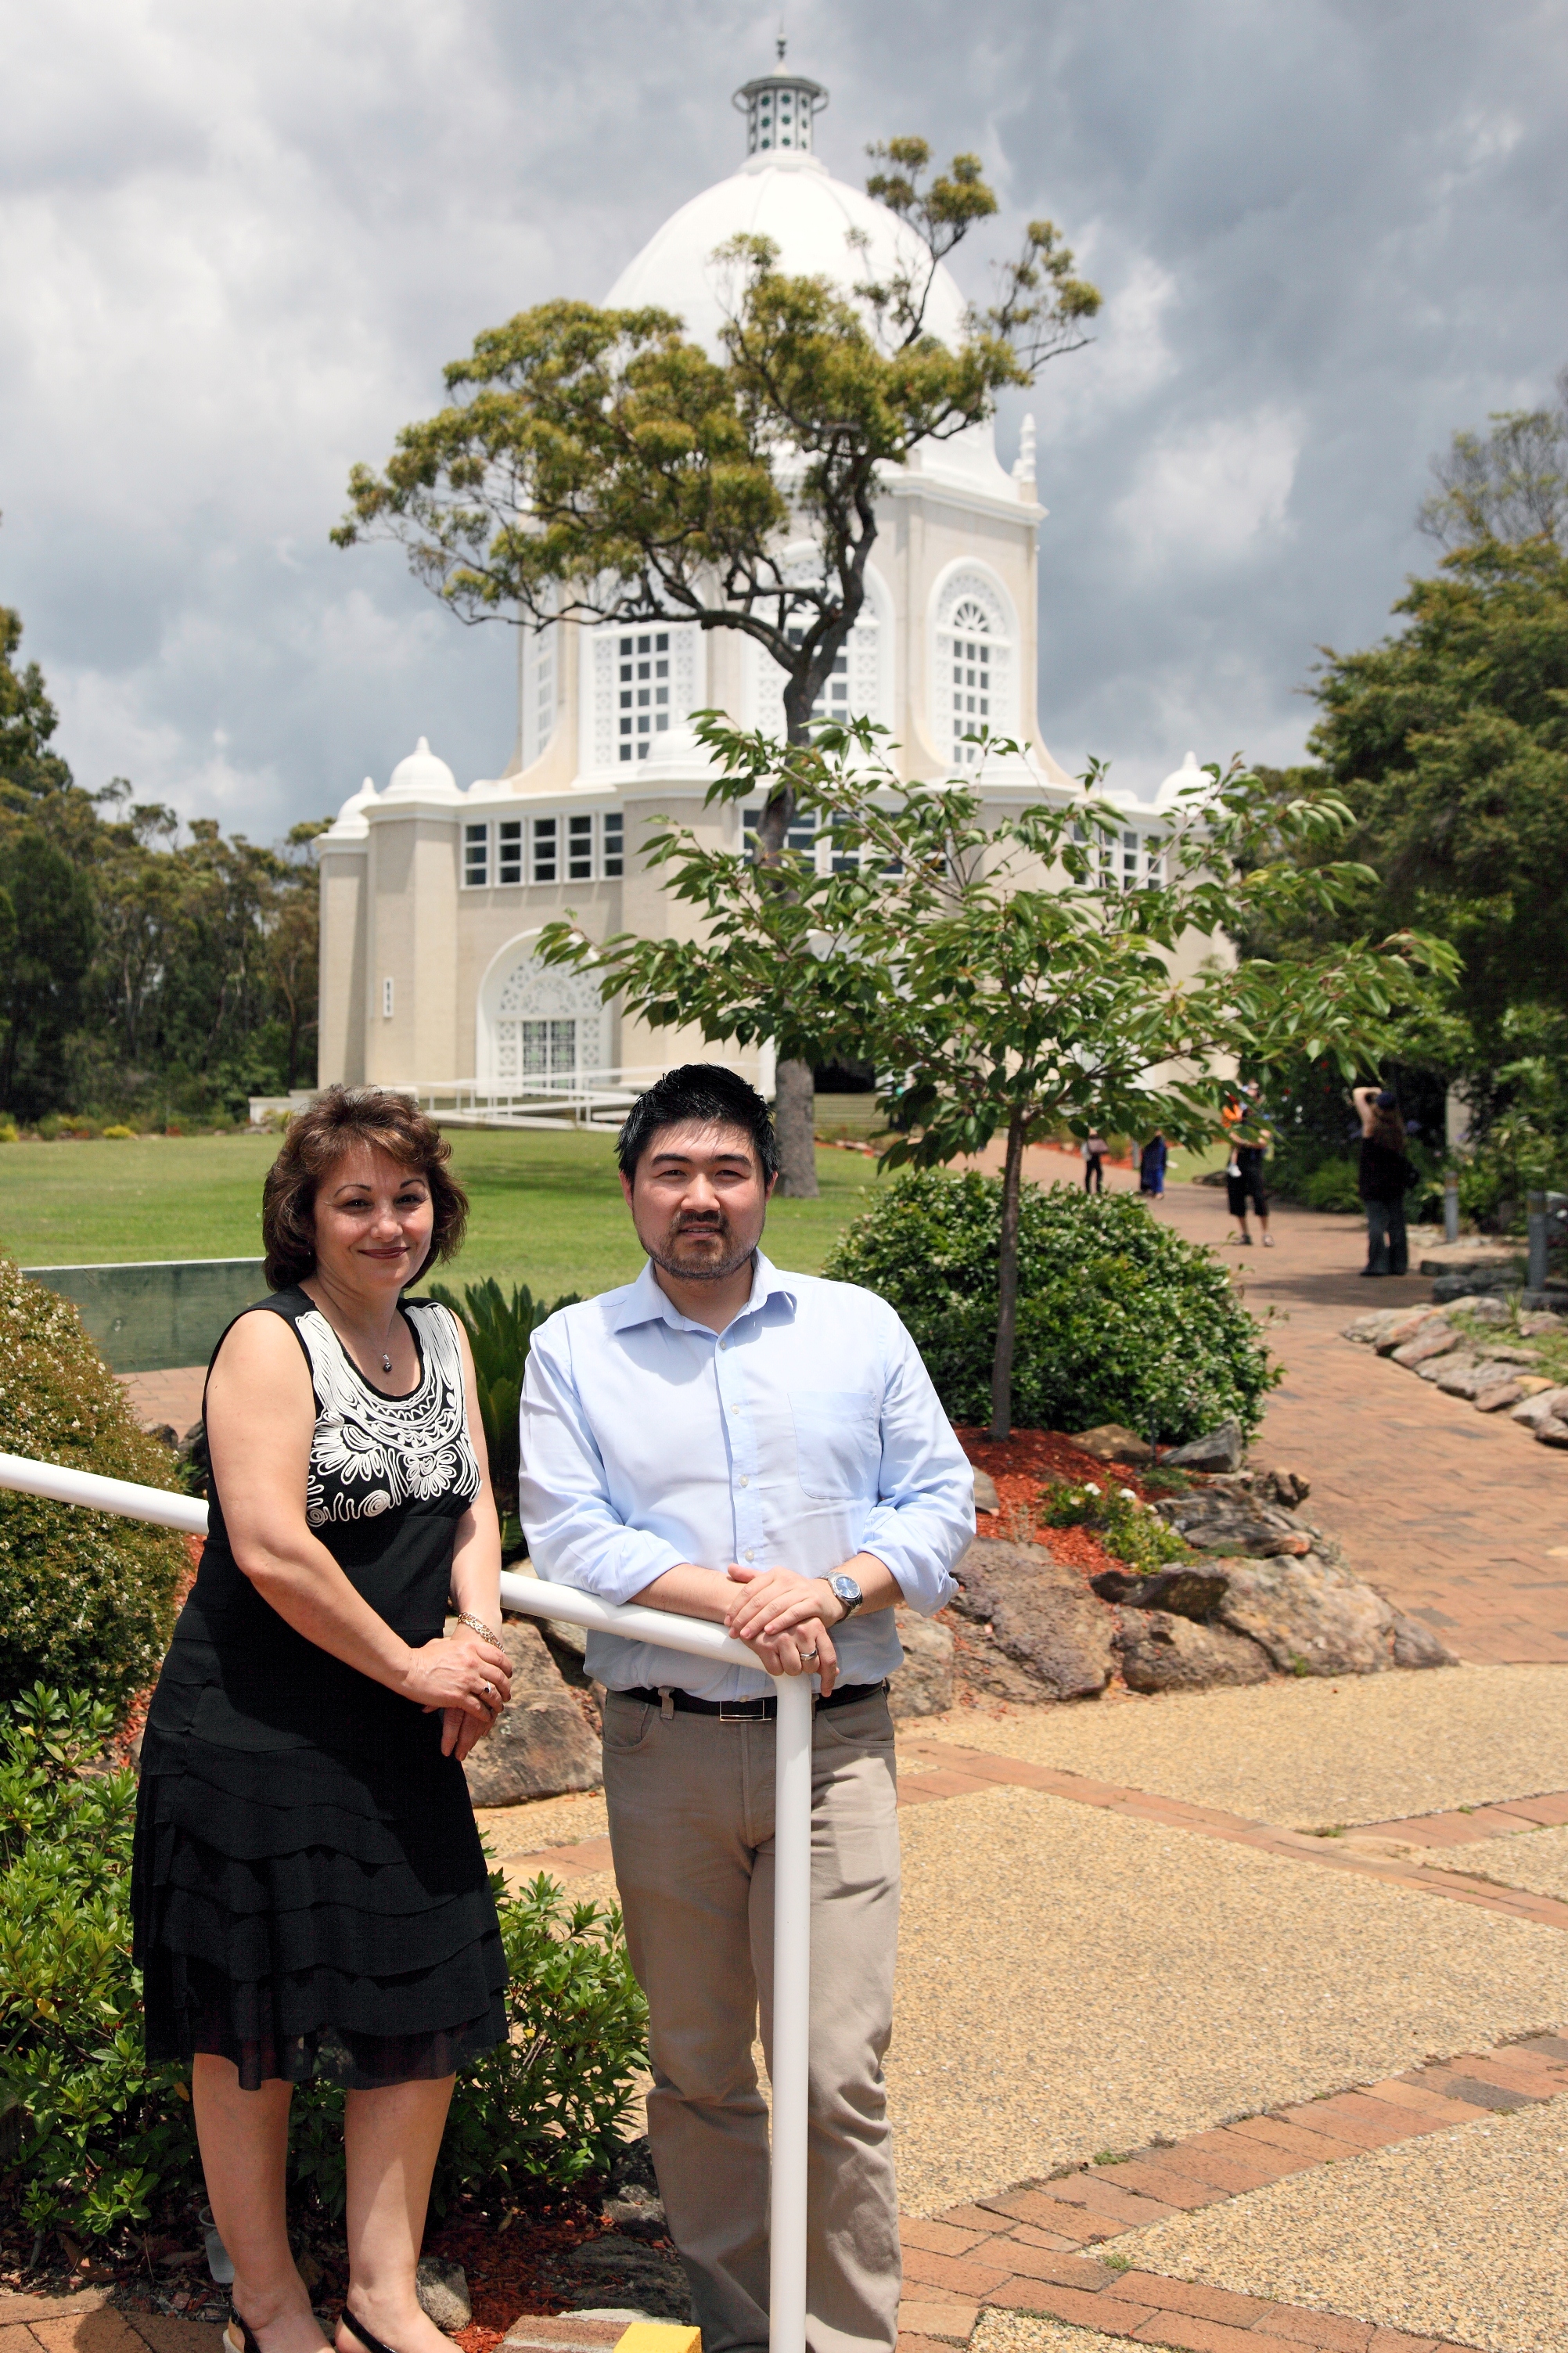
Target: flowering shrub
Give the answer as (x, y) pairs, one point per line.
(1134, 1532)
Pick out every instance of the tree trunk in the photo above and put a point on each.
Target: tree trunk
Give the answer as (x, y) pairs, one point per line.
(1007, 1283)
(795, 1091)
(794, 1103)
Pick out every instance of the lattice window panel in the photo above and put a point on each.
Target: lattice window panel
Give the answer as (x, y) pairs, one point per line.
(643, 681)
(973, 670)
(549, 1027)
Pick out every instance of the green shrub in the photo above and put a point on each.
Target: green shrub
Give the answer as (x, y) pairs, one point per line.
(106, 2139)
(118, 1132)
(1119, 1319)
(85, 1600)
(103, 2133)
(499, 1330)
(1329, 1187)
(550, 2104)
(1131, 1530)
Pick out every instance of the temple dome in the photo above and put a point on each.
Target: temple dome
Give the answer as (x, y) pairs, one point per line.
(422, 776)
(795, 202)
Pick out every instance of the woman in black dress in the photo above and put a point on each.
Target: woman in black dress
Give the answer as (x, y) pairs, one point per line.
(310, 1888)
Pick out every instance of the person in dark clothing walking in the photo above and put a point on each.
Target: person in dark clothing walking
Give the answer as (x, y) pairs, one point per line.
(1095, 1148)
(1386, 1177)
(1151, 1165)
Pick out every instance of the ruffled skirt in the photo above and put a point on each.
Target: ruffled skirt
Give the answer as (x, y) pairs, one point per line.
(309, 1892)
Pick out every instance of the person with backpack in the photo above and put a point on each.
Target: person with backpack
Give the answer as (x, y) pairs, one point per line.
(1386, 1177)
(1151, 1165)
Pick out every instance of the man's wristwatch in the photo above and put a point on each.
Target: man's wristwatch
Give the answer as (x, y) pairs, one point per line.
(848, 1594)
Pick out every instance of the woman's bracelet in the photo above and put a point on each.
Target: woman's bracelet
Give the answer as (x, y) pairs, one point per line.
(478, 1626)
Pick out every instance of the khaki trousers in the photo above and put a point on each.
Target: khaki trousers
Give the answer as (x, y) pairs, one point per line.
(691, 1823)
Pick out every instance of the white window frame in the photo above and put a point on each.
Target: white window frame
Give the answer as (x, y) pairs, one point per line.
(606, 652)
(970, 612)
(507, 853)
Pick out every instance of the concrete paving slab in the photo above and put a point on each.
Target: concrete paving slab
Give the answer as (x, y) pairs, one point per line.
(1309, 1756)
(1073, 1981)
(1459, 2236)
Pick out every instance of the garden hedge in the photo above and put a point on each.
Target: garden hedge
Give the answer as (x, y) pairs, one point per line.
(87, 1601)
(1119, 1319)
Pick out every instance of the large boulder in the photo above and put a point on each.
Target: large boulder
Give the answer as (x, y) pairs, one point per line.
(1030, 1628)
(1194, 1593)
(542, 1747)
(986, 1499)
(1160, 1652)
(1313, 1618)
(923, 1685)
(1217, 1450)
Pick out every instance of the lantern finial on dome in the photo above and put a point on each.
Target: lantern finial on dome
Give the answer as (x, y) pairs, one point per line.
(779, 109)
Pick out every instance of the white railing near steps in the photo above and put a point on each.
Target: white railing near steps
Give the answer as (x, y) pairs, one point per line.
(534, 1598)
(581, 1099)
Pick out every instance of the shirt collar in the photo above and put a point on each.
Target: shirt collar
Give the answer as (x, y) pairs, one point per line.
(646, 1302)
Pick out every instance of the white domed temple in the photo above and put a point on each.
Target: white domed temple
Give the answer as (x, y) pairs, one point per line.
(433, 896)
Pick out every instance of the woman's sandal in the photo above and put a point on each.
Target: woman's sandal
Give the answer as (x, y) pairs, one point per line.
(246, 2343)
(372, 2343)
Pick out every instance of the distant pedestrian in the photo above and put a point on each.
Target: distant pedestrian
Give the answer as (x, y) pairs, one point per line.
(1384, 1178)
(1095, 1148)
(1249, 1141)
(1151, 1165)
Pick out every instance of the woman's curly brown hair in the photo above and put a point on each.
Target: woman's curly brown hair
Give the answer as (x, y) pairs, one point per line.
(339, 1121)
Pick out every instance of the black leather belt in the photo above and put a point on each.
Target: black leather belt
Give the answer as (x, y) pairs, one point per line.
(745, 1711)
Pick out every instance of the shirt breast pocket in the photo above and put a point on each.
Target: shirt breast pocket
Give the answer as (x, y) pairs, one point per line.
(837, 1443)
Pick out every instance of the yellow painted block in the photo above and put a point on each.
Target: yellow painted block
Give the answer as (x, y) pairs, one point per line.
(659, 2336)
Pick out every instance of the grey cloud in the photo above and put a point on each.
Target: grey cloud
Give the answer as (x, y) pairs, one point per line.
(240, 245)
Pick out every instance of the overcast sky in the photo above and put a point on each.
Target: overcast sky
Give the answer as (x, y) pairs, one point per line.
(239, 241)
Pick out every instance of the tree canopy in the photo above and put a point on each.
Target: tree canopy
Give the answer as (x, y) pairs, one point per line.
(996, 975)
(140, 971)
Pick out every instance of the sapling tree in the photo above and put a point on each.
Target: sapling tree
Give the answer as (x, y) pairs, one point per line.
(595, 465)
(995, 974)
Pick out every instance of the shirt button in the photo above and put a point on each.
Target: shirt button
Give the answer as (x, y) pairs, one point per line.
(748, 1555)
(744, 1480)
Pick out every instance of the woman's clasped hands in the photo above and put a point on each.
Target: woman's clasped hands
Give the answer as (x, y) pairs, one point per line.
(465, 1676)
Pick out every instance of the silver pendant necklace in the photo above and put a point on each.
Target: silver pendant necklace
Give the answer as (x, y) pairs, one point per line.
(385, 1363)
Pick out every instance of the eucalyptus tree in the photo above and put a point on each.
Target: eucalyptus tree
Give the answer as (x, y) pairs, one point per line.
(597, 465)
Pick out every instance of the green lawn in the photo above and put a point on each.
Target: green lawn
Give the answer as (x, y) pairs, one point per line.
(547, 1210)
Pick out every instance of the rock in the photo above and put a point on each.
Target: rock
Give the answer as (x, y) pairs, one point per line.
(1232, 1524)
(1500, 1394)
(1310, 1618)
(1284, 1487)
(619, 2273)
(1109, 1442)
(1416, 1645)
(1463, 1380)
(1030, 1628)
(1532, 1384)
(1541, 1407)
(443, 2292)
(637, 2211)
(1438, 1338)
(1487, 1308)
(1552, 1433)
(1494, 1354)
(542, 1747)
(923, 1685)
(1403, 1328)
(1540, 1326)
(1160, 1652)
(1437, 1368)
(1194, 1593)
(1218, 1450)
(165, 1433)
(986, 1499)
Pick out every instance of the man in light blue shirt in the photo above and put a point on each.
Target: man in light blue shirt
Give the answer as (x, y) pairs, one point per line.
(766, 1451)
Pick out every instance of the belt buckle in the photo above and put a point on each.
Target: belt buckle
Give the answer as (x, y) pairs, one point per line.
(740, 1706)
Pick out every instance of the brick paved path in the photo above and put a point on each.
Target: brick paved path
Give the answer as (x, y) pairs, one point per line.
(1457, 1516)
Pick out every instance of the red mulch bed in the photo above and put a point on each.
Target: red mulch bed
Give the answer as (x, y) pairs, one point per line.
(1021, 1466)
(506, 2263)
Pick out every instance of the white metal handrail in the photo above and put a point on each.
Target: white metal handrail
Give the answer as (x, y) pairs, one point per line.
(792, 1833)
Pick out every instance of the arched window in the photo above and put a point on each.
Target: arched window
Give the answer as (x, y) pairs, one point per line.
(539, 1026)
(538, 693)
(974, 667)
(858, 687)
(641, 681)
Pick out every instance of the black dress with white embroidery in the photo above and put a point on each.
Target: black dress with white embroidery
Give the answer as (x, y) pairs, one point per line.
(309, 1885)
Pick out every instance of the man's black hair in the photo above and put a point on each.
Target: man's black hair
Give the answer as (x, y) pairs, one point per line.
(699, 1094)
